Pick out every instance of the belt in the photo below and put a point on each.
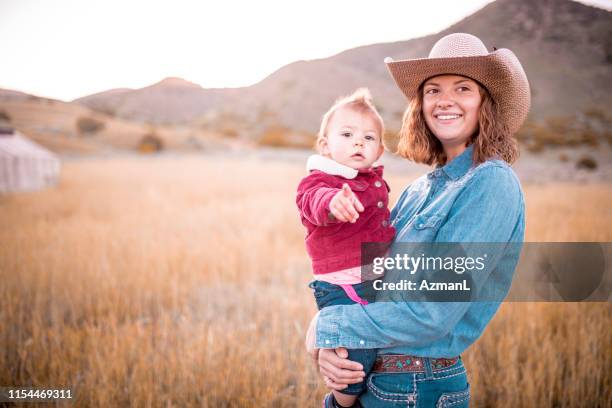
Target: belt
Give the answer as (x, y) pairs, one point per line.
(401, 363)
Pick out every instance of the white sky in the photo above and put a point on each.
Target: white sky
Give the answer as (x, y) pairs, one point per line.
(66, 49)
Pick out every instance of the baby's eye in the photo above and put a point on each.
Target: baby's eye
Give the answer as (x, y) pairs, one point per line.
(370, 137)
(346, 134)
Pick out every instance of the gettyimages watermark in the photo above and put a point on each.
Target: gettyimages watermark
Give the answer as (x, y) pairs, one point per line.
(483, 272)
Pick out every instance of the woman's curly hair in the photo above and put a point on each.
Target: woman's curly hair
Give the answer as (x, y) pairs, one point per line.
(492, 138)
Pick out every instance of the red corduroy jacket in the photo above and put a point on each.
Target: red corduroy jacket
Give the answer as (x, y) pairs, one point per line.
(333, 245)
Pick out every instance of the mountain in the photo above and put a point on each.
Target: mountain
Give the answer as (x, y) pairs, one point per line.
(172, 100)
(565, 48)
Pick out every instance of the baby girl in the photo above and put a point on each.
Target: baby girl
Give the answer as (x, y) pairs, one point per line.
(343, 203)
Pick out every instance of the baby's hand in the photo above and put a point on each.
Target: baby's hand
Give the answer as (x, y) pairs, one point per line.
(345, 204)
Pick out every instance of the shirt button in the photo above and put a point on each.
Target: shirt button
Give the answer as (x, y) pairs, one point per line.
(378, 183)
(361, 342)
(385, 223)
(380, 204)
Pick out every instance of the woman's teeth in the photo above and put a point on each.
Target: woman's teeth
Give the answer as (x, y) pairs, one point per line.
(447, 117)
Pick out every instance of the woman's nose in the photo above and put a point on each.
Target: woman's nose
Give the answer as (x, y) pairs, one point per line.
(444, 103)
(444, 100)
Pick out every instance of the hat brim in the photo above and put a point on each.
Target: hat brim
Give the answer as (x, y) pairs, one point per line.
(500, 72)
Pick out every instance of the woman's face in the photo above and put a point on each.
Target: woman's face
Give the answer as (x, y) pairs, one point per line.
(450, 105)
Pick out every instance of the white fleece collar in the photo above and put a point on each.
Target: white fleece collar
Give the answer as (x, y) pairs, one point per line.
(329, 166)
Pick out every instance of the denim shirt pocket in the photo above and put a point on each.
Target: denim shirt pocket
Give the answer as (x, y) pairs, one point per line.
(425, 227)
(427, 221)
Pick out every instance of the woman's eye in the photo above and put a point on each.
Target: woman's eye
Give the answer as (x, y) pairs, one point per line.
(431, 91)
(463, 89)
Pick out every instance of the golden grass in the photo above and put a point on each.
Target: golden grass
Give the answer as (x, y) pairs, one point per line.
(182, 282)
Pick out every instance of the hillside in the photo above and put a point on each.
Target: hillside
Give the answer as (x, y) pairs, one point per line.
(565, 47)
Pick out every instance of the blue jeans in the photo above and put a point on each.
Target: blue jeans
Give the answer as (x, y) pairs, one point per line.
(447, 387)
(328, 294)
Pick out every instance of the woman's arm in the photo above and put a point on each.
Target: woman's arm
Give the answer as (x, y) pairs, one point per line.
(489, 209)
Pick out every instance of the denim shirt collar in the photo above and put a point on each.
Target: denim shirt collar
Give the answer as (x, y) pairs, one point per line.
(458, 166)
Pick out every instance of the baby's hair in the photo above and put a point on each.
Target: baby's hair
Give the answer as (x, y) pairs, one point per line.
(362, 102)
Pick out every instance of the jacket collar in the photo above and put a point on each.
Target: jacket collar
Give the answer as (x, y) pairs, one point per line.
(332, 167)
(460, 164)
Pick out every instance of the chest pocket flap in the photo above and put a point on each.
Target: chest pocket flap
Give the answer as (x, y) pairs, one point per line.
(357, 185)
(423, 221)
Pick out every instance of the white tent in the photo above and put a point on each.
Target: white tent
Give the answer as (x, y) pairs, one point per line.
(24, 165)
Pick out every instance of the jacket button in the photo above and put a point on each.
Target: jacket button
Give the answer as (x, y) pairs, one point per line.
(385, 223)
(378, 183)
(380, 204)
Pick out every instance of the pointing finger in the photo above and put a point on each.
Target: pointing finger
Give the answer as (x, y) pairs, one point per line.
(346, 190)
(358, 206)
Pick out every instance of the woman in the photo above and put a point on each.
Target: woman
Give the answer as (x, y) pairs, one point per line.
(465, 105)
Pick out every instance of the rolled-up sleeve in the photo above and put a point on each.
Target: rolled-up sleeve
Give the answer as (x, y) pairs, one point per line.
(490, 209)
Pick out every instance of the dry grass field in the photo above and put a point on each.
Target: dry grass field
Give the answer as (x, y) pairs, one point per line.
(182, 282)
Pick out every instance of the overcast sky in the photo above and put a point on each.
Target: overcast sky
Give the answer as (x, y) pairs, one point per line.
(65, 49)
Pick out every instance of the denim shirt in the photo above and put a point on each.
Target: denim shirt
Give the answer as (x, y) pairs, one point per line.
(458, 202)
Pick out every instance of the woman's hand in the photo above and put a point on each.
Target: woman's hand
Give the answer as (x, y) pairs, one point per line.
(338, 371)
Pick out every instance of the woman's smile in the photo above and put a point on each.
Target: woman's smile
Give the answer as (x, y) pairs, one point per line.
(447, 118)
(450, 105)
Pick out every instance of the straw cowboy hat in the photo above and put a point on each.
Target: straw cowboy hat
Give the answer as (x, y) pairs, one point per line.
(464, 54)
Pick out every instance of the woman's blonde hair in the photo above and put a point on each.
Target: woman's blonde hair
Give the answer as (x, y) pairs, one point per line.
(362, 102)
(491, 139)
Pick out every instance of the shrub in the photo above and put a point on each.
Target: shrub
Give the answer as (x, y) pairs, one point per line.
(229, 131)
(535, 146)
(279, 136)
(88, 126)
(150, 143)
(586, 162)
(5, 117)
(596, 113)
(391, 140)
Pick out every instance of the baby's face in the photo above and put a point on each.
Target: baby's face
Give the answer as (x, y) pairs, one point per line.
(353, 139)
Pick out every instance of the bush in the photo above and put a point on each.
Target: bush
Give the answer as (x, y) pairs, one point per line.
(391, 140)
(586, 162)
(4, 117)
(150, 143)
(535, 146)
(278, 136)
(229, 131)
(88, 126)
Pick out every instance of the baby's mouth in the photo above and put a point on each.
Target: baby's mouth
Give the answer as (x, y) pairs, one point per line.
(358, 156)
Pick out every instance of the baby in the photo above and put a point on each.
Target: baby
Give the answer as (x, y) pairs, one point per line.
(343, 203)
